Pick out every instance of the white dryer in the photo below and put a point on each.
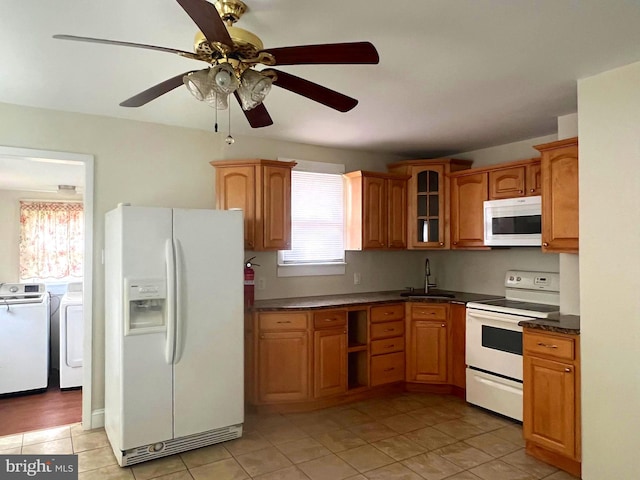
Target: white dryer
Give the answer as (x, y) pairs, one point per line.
(71, 336)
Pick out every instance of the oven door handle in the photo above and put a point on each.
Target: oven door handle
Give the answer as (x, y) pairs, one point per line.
(501, 320)
(499, 385)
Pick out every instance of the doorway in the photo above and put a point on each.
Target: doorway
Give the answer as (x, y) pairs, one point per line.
(28, 175)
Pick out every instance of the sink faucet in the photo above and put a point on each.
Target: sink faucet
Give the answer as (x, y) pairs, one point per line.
(427, 273)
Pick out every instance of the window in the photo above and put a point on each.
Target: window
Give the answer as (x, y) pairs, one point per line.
(51, 241)
(317, 221)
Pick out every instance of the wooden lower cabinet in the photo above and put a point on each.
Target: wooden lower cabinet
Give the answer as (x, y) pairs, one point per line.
(551, 387)
(457, 345)
(329, 362)
(283, 357)
(427, 351)
(387, 368)
(283, 366)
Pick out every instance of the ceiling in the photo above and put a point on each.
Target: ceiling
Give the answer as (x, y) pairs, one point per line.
(41, 175)
(454, 75)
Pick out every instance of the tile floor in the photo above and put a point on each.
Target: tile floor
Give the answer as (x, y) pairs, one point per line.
(400, 437)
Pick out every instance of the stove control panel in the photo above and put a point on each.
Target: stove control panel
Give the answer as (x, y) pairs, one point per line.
(532, 280)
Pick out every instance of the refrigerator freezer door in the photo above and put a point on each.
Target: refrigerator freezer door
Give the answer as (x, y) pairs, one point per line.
(208, 382)
(138, 380)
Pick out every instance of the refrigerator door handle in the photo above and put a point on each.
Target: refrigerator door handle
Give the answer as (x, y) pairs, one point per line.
(179, 323)
(170, 347)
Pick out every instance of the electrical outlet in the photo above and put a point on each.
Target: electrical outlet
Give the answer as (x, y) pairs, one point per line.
(357, 278)
(262, 283)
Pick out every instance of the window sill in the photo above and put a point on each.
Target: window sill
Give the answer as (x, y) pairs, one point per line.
(311, 270)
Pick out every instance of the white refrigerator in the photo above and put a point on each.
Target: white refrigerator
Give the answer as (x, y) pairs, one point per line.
(174, 317)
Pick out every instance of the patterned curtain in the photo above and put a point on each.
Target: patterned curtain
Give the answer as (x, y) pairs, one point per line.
(51, 240)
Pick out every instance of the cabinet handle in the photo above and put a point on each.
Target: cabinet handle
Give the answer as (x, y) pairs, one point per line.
(283, 321)
(389, 369)
(426, 313)
(545, 244)
(389, 346)
(540, 344)
(388, 313)
(568, 370)
(389, 329)
(329, 319)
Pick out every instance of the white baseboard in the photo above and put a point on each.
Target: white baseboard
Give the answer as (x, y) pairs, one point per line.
(97, 419)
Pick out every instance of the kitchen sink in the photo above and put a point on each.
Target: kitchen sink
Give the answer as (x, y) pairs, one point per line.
(432, 293)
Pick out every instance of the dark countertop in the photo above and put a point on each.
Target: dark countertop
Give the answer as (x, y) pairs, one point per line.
(569, 324)
(350, 299)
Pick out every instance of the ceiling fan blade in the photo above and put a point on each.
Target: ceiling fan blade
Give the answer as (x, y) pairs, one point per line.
(182, 53)
(208, 20)
(154, 92)
(330, 53)
(313, 91)
(258, 117)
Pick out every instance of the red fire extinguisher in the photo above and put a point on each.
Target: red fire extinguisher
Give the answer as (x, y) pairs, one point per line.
(249, 282)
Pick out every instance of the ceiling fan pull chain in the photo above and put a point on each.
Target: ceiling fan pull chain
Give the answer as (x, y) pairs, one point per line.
(230, 140)
(216, 107)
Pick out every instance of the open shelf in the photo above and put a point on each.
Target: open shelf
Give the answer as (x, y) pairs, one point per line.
(357, 348)
(358, 369)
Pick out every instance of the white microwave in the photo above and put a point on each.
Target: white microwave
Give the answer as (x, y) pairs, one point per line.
(513, 222)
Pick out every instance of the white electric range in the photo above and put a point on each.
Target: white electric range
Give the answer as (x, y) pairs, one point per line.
(494, 339)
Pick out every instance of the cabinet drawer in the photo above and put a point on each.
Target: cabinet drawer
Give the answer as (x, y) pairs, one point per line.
(428, 312)
(330, 318)
(387, 368)
(384, 313)
(387, 329)
(387, 345)
(549, 345)
(283, 321)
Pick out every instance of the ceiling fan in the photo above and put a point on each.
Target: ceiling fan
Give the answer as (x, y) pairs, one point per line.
(233, 53)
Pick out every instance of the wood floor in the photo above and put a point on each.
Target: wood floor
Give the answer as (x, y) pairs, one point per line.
(36, 411)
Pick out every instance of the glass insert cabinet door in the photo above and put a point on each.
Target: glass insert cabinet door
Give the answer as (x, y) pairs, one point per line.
(428, 195)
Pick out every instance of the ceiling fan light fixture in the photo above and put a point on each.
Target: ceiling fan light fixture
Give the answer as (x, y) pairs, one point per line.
(224, 80)
(198, 84)
(254, 88)
(219, 102)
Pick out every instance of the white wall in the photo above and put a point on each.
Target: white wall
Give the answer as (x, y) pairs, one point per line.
(609, 125)
(10, 231)
(506, 153)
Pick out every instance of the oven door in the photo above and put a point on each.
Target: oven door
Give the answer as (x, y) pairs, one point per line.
(494, 343)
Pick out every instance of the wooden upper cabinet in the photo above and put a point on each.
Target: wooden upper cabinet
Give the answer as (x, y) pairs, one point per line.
(376, 210)
(507, 183)
(262, 189)
(468, 193)
(519, 180)
(560, 196)
(533, 179)
(428, 200)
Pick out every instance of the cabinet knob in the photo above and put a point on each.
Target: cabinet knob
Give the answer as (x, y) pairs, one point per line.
(532, 190)
(261, 336)
(568, 370)
(520, 191)
(442, 244)
(545, 244)
(455, 243)
(442, 325)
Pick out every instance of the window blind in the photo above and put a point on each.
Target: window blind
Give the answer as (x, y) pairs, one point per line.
(317, 219)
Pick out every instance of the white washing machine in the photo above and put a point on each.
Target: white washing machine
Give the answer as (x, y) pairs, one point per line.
(71, 336)
(24, 337)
